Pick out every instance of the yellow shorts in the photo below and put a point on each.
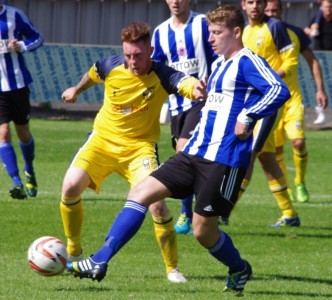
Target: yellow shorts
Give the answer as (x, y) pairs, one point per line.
(291, 123)
(100, 157)
(264, 133)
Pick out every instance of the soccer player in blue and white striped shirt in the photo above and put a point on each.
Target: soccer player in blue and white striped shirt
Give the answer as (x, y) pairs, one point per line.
(182, 42)
(241, 89)
(17, 35)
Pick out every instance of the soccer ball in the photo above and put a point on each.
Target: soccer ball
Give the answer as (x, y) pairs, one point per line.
(47, 256)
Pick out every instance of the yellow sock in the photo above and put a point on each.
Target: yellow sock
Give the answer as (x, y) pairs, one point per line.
(279, 189)
(166, 238)
(300, 162)
(244, 185)
(72, 218)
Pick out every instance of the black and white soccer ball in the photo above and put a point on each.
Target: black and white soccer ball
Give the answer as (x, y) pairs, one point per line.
(47, 256)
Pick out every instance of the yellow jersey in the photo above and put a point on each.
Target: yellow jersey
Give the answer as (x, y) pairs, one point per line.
(132, 104)
(270, 40)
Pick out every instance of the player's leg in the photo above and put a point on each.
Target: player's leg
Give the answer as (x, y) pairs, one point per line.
(7, 152)
(142, 163)
(280, 141)
(89, 168)
(75, 182)
(182, 127)
(300, 157)
(27, 146)
(294, 126)
(27, 143)
(278, 187)
(166, 238)
(183, 224)
(125, 226)
(219, 198)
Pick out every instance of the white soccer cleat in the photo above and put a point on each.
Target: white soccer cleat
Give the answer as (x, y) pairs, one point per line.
(320, 116)
(176, 276)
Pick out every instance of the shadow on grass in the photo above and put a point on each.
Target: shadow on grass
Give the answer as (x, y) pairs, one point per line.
(295, 294)
(269, 277)
(287, 234)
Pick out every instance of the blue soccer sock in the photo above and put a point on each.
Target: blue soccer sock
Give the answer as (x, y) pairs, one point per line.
(9, 160)
(187, 204)
(28, 152)
(226, 253)
(125, 226)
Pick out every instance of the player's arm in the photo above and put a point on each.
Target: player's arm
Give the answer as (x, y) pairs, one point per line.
(32, 38)
(289, 63)
(176, 82)
(97, 73)
(70, 94)
(269, 92)
(192, 88)
(288, 56)
(316, 71)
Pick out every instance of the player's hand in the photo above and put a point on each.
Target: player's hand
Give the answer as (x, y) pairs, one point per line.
(200, 90)
(241, 131)
(14, 45)
(69, 95)
(321, 99)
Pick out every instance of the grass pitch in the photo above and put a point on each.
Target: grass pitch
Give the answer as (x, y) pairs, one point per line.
(292, 263)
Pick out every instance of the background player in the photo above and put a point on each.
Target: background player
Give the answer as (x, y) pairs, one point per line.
(18, 35)
(268, 38)
(124, 136)
(182, 42)
(292, 121)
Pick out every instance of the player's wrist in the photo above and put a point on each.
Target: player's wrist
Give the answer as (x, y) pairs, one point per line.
(244, 119)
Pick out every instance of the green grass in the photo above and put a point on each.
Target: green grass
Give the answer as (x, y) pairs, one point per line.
(293, 263)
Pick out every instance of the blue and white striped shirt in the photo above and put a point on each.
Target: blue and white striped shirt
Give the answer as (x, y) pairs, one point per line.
(185, 49)
(14, 24)
(242, 88)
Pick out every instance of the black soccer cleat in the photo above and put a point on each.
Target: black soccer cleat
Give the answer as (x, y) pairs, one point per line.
(87, 268)
(18, 192)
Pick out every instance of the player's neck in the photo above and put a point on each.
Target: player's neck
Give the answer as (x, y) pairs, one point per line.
(234, 51)
(254, 22)
(181, 19)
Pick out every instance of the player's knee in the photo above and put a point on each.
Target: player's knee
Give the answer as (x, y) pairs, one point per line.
(159, 209)
(298, 144)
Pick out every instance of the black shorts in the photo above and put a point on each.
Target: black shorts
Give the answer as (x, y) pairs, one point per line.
(15, 106)
(183, 125)
(215, 186)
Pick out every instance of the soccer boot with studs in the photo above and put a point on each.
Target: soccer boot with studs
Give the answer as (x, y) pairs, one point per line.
(87, 268)
(302, 194)
(183, 224)
(31, 184)
(18, 192)
(235, 282)
(287, 222)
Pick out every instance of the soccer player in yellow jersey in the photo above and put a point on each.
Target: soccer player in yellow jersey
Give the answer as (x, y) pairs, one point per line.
(268, 38)
(292, 121)
(124, 135)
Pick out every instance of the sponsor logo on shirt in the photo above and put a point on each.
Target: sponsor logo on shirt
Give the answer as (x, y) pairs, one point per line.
(188, 66)
(216, 101)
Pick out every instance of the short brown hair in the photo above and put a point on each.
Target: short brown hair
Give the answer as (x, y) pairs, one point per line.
(226, 15)
(136, 31)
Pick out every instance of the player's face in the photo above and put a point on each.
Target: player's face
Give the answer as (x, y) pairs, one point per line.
(326, 8)
(272, 9)
(178, 7)
(254, 9)
(222, 39)
(138, 57)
